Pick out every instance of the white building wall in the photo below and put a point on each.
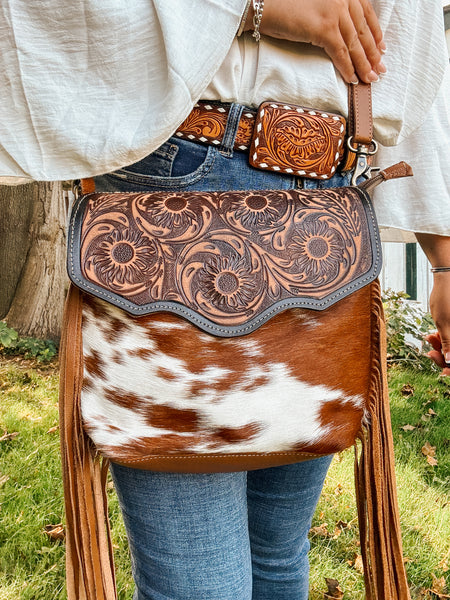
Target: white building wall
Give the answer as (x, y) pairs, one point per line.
(393, 273)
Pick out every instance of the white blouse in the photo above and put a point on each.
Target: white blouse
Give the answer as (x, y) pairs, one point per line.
(89, 87)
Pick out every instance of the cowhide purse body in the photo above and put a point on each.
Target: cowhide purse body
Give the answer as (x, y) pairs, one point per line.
(217, 331)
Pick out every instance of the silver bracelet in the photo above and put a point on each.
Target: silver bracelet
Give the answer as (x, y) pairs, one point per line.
(244, 18)
(258, 7)
(440, 269)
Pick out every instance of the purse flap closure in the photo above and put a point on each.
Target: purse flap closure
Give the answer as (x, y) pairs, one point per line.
(226, 261)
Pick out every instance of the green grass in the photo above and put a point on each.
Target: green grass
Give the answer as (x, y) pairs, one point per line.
(423, 490)
(32, 564)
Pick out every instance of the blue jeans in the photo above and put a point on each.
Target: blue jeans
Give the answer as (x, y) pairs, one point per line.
(221, 536)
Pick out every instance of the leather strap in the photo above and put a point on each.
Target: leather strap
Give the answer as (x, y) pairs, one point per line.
(360, 122)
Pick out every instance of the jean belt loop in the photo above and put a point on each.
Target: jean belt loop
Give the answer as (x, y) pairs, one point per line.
(234, 116)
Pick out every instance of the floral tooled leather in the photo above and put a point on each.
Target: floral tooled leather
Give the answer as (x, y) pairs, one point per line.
(207, 122)
(229, 257)
(298, 141)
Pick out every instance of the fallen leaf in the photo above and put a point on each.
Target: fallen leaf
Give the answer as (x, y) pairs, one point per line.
(438, 586)
(321, 530)
(407, 427)
(338, 489)
(53, 429)
(431, 412)
(55, 532)
(334, 591)
(443, 564)
(343, 525)
(432, 461)
(6, 437)
(358, 564)
(428, 449)
(337, 533)
(407, 390)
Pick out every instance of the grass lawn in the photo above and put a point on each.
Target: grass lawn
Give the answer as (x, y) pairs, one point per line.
(32, 558)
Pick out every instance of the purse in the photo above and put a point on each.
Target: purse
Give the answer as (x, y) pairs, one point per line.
(257, 318)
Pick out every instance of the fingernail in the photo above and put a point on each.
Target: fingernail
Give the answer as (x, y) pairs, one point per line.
(354, 81)
(447, 358)
(372, 77)
(381, 68)
(382, 47)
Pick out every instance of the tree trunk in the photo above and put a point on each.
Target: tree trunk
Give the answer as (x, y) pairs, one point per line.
(32, 258)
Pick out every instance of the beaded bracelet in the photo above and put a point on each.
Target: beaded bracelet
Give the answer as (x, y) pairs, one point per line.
(258, 7)
(440, 269)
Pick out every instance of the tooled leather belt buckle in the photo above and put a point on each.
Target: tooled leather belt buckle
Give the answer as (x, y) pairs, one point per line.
(297, 141)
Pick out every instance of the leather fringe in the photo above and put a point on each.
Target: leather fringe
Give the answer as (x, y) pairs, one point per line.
(89, 554)
(376, 492)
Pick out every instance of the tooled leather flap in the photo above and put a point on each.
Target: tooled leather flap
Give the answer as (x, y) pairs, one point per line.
(226, 261)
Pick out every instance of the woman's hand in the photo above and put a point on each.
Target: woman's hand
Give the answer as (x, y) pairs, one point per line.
(348, 31)
(437, 249)
(440, 311)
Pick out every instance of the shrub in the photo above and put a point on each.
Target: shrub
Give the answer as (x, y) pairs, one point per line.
(28, 347)
(406, 326)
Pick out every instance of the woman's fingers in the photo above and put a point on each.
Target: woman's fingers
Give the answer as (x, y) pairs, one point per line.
(373, 24)
(362, 34)
(364, 41)
(337, 50)
(348, 31)
(437, 355)
(359, 45)
(434, 339)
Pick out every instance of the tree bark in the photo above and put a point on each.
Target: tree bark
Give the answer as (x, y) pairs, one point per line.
(32, 258)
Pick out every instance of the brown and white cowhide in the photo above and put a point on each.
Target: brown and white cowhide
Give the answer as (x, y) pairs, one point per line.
(159, 386)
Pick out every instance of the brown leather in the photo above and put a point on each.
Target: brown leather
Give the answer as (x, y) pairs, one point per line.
(228, 256)
(397, 171)
(87, 185)
(378, 515)
(360, 116)
(360, 122)
(207, 122)
(297, 141)
(89, 555)
(289, 146)
(225, 463)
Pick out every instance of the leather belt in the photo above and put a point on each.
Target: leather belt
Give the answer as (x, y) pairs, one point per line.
(207, 122)
(283, 138)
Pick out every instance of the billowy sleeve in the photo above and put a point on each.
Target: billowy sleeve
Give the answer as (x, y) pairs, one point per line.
(420, 203)
(87, 87)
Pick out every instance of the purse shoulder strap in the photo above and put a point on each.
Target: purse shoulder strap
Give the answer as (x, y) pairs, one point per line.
(360, 121)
